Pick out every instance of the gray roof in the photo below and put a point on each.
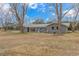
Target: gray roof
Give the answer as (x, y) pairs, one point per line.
(66, 24)
(45, 25)
(37, 25)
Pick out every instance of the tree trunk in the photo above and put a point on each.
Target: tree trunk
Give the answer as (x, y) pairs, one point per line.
(21, 27)
(59, 16)
(74, 23)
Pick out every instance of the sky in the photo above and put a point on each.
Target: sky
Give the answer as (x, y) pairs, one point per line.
(41, 10)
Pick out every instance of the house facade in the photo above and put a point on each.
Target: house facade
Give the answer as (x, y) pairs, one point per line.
(50, 28)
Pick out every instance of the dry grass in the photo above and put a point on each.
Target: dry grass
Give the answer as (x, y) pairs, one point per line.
(38, 44)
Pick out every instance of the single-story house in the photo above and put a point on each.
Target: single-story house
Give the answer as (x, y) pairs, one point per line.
(51, 28)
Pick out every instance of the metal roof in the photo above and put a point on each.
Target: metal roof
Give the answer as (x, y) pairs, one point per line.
(37, 25)
(45, 25)
(66, 24)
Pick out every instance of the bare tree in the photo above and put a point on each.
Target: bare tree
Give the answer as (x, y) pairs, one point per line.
(20, 15)
(59, 14)
(5, 16)
(74, 23)
(39, 20)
